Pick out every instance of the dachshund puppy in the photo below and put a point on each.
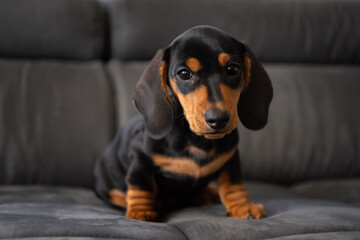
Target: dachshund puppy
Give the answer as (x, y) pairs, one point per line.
(190, 98)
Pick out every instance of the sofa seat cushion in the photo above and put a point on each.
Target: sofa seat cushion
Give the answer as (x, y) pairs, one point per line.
(52, 212)
(292, 213)
(340, 190)
(286, 219)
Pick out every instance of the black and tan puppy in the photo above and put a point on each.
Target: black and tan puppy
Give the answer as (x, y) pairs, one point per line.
(190, 98)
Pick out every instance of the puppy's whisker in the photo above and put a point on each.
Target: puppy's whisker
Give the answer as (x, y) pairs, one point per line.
(179, 116)
(183, 122)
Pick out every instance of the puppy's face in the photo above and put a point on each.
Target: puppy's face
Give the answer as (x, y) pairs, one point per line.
(206, 75)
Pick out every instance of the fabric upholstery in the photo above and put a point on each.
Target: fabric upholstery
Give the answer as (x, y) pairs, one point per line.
(124, 76)
(55, 118)
(52, 29)
(313, 130)
(276, 31)
(71, 213)
(340, 190)
(76, 213)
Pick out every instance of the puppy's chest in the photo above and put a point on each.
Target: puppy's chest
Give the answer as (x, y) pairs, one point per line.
(193, 161)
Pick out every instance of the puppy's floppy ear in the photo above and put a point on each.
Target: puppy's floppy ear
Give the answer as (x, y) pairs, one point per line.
(151, 98)
(253, 106)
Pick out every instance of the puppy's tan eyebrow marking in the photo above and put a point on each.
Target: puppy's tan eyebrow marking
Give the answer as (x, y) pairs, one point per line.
(223, 59)
(194, 64)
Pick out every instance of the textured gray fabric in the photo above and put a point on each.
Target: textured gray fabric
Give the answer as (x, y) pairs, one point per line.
(26, 220)
(340, 190)
(124, 76)
(71, 213)
(277, 31)
(295, 218)
(39, 194)
(354, 235)
(313, 130)
(52, 29)
(48, 212)
(55, 119)
(66, 238)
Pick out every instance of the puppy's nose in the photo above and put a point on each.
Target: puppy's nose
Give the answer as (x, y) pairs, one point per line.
(217, 118)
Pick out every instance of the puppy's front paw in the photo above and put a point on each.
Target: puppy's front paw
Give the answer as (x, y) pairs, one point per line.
(248, 210)
(142, 215)
(141, 205)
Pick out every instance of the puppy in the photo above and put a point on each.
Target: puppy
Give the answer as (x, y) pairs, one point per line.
(190, 98)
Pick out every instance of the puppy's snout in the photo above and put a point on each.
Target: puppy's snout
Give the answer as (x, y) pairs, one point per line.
(217, 118)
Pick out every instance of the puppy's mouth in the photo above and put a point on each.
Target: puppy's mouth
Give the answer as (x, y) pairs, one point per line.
(214, 134)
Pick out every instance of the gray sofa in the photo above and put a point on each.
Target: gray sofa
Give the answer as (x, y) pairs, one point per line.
(67, 70)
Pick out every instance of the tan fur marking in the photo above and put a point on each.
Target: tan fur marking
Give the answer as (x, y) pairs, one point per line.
(195, 105)
(247, 63)
(223, 59)
(118, 197)
(193, 64)
(187, 167)
(198, 152)
(140, 204)
(229, 102)
(176, 165)
(236, 199)
(163, 77)
(134, 193)
(217, 163)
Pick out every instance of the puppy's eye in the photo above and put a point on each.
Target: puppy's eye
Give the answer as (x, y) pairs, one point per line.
(232, 69)
(184, 74)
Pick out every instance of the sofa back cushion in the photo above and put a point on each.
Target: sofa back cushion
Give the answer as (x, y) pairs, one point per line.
(276, 31)
(63, 29)
(313, 130)
(55, 119)
(57, 115)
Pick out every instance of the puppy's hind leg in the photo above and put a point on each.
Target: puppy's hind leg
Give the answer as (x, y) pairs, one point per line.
(118, 198)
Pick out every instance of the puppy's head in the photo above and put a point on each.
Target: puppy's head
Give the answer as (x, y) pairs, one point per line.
(215, 78)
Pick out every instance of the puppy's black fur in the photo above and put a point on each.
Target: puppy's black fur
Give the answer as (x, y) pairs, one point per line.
(189, 98)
